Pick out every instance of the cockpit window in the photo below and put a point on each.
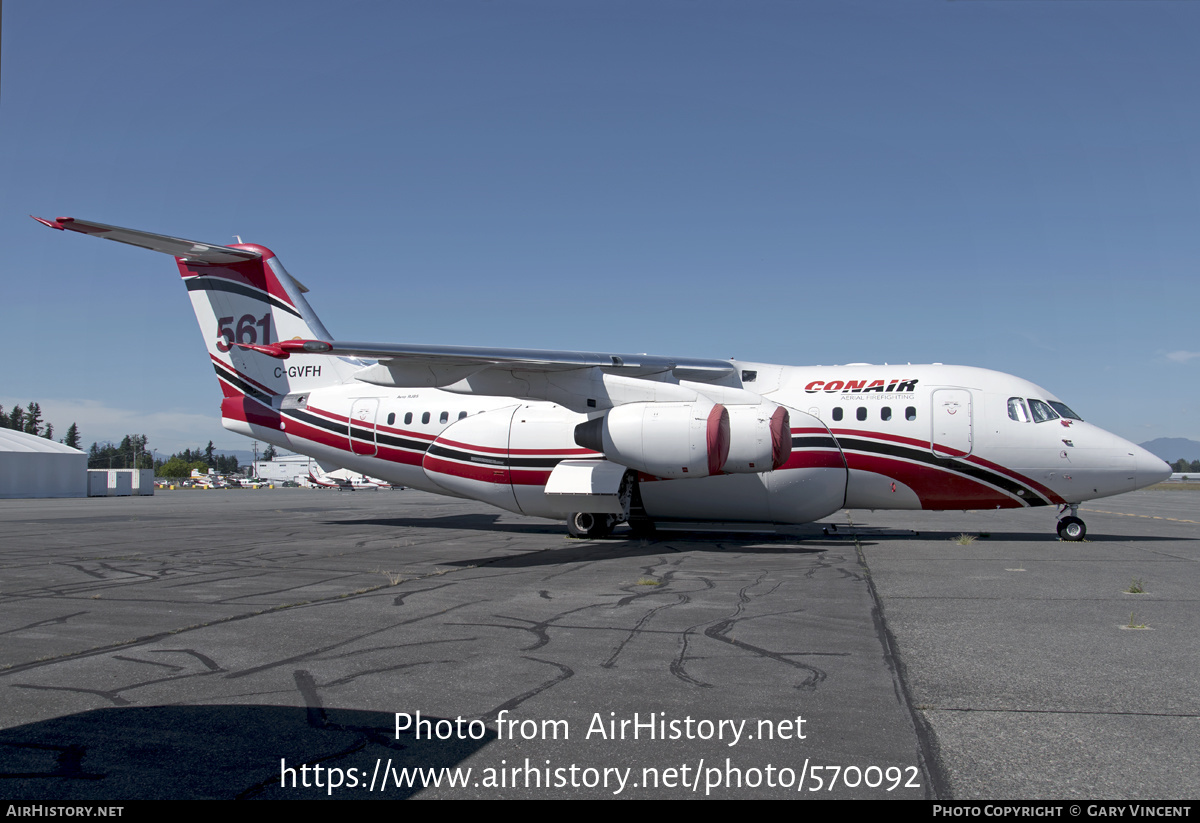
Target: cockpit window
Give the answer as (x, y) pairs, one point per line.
(1017, 410)
(1042, 411)
(1064, 411)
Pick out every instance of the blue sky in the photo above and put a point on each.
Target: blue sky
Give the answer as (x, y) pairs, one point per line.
(1013, 185)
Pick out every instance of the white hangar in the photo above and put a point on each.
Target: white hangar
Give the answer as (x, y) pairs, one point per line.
(36, 467)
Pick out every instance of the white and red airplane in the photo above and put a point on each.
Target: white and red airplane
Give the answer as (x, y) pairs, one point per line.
(351, 483)
(598, 439)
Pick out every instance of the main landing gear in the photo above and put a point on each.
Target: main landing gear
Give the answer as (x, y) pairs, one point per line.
(598, 525)
(591, 525)
(1071, 527)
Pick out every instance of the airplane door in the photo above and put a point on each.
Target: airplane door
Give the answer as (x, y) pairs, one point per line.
(951, 435)
(362, 425)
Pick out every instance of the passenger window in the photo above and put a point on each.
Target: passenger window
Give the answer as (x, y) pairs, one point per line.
(445, 418)
(425, 417)
(391, 418)
(837, 413)
(885, 413)
(407, 418)
(1017, 410)
(461, 415)
(1041, 411)
(861, 413)
(910, 413)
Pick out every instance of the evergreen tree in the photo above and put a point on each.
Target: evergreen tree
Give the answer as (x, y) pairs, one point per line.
(269, 454)
(72, 438)
(209, 456)
(33, 419)
(49, 433)
(3, 419)
(16, 419)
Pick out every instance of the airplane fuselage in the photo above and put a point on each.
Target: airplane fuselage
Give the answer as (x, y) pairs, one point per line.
(863, 436)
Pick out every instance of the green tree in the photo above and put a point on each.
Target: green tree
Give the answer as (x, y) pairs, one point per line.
(33, 419)
(269, 453)
(16, 419)
(176, 467)
(72, 438)
(49, 433)
(209, 456)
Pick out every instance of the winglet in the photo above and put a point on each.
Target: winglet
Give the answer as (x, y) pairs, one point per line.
(54, 224)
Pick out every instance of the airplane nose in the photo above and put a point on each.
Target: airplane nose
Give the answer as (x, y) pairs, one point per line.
(1147, 469)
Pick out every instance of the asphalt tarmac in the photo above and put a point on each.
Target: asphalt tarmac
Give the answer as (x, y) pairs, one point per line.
(281, 643)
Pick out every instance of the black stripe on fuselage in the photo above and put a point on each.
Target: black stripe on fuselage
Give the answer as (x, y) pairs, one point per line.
(917, 455)
(500, 461)
(208, 283)
(360, 433)
(241, 385)
(318, 422)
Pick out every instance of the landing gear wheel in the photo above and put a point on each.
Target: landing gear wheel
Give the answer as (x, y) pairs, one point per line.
(590, 526)
(1071, 528)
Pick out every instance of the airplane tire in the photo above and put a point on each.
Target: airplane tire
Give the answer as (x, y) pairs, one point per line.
(1071, 528)
(590, 526)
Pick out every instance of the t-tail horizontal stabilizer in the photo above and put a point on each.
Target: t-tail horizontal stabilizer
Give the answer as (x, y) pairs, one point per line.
(188, 250)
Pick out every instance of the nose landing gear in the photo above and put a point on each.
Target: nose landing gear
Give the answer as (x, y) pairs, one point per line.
(1071, 527)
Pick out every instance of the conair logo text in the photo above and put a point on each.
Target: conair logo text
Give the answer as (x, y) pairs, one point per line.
(843, 386)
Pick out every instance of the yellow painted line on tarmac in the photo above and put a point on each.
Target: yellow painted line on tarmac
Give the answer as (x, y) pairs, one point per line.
(1144, 516)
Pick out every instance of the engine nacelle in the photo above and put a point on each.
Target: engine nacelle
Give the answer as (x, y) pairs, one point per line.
(760, 438)
(669, 440)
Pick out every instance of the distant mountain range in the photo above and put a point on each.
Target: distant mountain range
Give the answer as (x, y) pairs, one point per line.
(1173, 448)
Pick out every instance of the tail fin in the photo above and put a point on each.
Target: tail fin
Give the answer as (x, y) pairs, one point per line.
(241, 295)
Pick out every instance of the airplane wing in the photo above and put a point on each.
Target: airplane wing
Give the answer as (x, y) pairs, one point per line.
(521, 359)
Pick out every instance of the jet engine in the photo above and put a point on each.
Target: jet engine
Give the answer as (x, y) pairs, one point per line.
(760, 438)
(668, 440)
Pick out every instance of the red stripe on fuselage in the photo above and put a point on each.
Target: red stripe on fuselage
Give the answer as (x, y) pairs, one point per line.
(485, 474)
(923, 446)
(248, 410)
(936, 488)
(1044, 491)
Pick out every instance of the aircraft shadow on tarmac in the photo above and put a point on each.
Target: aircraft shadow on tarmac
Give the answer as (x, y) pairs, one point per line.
(868, 533)
(218, 752)
(590, 551)
(466, 522)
